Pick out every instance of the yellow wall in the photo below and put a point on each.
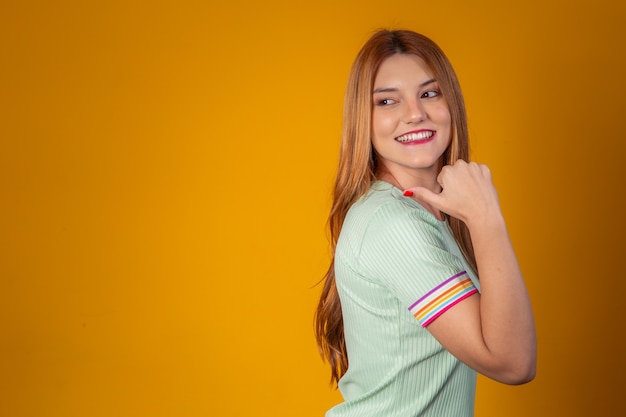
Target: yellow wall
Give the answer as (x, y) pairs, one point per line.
(164, 176)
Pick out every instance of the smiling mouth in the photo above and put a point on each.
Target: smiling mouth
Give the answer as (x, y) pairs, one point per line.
(416, 136)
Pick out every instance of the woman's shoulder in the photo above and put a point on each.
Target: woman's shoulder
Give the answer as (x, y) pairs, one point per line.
(383, 213)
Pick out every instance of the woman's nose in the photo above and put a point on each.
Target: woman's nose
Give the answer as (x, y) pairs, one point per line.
(414, 112)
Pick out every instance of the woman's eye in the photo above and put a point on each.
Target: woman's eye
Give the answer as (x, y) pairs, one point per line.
(386, 101)
(430, 94)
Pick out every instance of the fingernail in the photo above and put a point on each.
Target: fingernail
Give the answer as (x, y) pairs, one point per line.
(408, 193)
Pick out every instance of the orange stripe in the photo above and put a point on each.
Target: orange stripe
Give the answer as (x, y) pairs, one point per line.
(434, 300)
(444, 296)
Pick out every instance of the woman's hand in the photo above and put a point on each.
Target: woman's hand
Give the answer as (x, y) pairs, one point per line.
(467, 193)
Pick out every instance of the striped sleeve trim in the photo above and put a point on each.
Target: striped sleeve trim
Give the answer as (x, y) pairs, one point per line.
(442, 297)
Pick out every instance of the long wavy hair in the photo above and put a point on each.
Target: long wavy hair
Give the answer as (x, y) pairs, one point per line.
(358, 165)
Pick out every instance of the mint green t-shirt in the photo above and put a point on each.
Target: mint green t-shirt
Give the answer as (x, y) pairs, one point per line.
(397, 269)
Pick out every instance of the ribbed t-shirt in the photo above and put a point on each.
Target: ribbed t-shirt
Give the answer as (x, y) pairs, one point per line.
(397, 269)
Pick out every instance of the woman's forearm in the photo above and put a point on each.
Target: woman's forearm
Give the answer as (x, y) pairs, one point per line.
(506, 316)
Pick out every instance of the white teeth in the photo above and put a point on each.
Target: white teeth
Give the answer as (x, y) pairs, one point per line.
(425, 134)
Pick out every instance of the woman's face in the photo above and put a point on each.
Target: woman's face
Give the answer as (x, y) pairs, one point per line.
(411, 123)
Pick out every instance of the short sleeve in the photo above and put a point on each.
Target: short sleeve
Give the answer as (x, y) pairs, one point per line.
(404, 248)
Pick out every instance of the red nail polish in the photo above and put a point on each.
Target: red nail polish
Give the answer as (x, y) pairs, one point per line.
(408, 193)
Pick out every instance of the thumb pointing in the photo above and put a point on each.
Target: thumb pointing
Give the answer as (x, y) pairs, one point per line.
(423, 194)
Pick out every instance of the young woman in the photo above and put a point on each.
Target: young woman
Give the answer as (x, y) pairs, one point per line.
(403, 319)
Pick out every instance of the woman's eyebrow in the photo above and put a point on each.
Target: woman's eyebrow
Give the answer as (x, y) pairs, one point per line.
(425, 83)
(385, 90)
(392, 89)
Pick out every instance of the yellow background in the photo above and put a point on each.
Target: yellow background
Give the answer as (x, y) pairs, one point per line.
(165, 170)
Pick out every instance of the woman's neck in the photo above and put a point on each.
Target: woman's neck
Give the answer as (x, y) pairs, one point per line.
(403, 182)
